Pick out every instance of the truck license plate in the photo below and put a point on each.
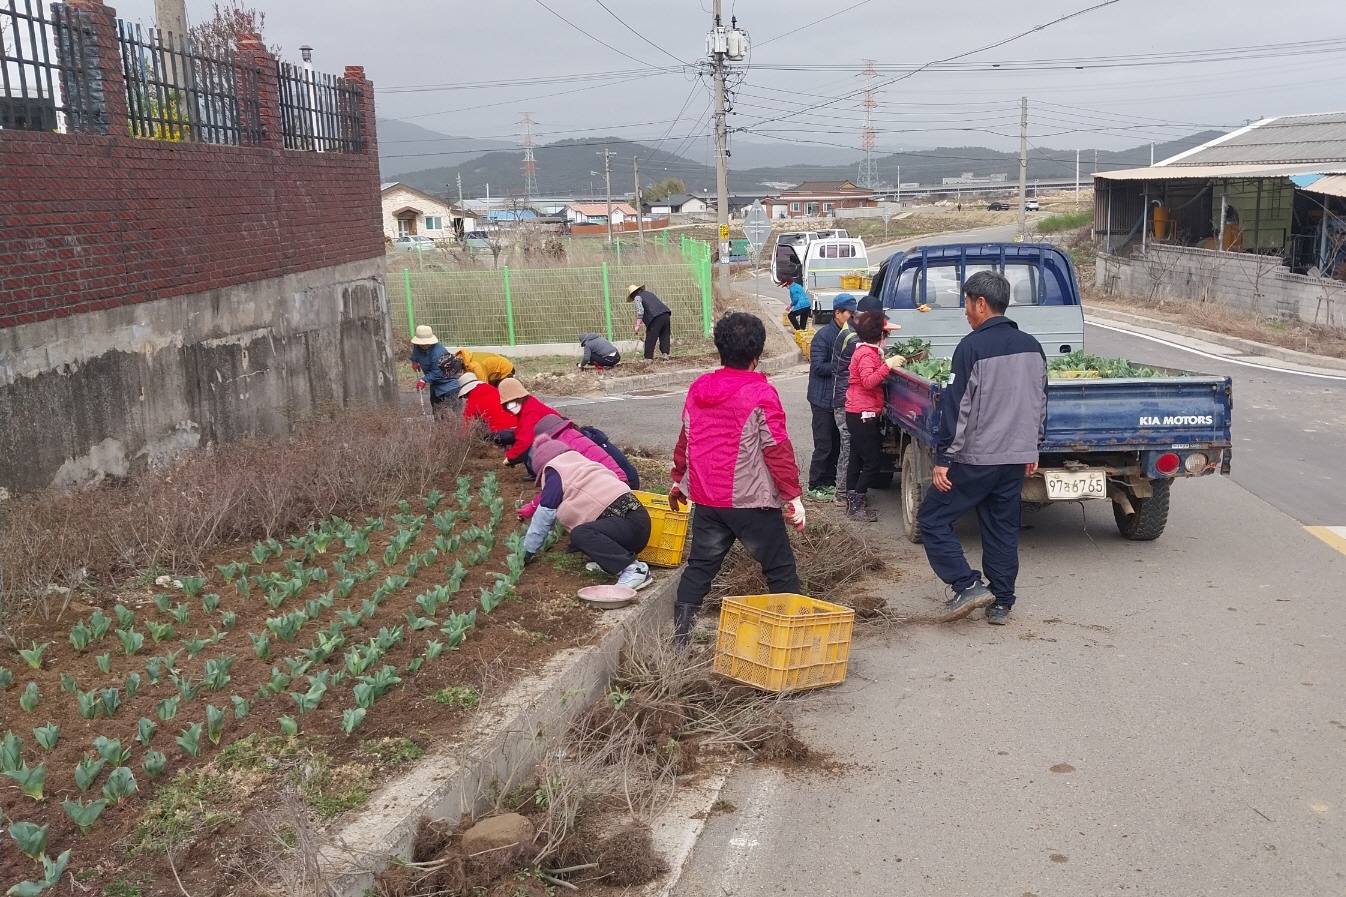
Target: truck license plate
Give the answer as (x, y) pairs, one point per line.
(1069, 485)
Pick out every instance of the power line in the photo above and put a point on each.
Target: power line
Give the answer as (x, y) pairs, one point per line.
(815, 22)
(590, 35)
(637, 33)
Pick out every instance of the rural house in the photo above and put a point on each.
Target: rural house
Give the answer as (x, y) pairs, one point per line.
(597, 213)
(813, 199)
(408, 211)
(1255, 219)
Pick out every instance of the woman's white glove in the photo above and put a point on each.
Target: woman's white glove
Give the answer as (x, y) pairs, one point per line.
(794, 512)
(894, 362)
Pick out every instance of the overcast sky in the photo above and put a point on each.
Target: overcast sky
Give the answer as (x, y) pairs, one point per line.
(441, 64)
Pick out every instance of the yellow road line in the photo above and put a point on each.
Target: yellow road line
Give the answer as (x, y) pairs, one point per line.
(1332, 535)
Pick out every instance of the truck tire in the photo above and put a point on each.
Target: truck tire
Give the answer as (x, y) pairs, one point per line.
(1150, 517)
(915, 479)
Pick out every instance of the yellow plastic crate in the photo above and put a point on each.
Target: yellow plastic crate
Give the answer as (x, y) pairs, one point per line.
(850, 281)
(668, 530)
(783, 642)
(804, 339)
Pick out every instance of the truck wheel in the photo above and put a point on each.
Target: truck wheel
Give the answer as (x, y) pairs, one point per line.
(915, 479)
(1150, 517)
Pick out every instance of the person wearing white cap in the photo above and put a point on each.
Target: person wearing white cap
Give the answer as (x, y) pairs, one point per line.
(481, 401)
(654, 315)
(426, 353)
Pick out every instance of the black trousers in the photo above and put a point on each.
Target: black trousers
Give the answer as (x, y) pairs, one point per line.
(614, 542)
(866, 452)
(762, 532)
(994, 490)
(659, 330)
(826, 448)
(800, 319)
(445, 406)
(606, 361)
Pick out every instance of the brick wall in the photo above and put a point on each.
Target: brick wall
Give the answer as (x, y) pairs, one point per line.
(90, 223)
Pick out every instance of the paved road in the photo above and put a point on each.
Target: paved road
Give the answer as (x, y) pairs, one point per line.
(1160, 718)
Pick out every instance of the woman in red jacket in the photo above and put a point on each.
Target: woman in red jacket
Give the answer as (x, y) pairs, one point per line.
(481, 402)
(864, 405)
(528, 409)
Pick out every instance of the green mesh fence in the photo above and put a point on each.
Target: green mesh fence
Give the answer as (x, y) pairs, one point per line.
(519, 306)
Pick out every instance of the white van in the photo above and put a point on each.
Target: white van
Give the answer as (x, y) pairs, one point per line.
(787, 259)
(825, 263)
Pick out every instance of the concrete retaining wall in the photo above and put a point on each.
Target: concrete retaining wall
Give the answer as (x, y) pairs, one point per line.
(1257, 284)
(106, 392)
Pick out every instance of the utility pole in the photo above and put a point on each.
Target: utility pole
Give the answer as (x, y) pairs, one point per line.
(460, 191)
(640, 212)
(607, 178)
(721, 151)
(1023, 168)
(171, 16)
(1077, 175)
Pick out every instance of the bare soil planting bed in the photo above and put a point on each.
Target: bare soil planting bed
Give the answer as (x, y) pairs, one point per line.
(310, 667)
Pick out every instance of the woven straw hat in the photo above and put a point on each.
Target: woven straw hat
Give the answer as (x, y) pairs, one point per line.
(632, 290)
(425, 336)
(466, 383)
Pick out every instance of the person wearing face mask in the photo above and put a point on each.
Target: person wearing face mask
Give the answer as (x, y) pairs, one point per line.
(527, 410)
(481, 402)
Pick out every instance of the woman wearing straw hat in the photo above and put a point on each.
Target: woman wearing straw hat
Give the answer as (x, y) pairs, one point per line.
(426, 353)
(654, 314)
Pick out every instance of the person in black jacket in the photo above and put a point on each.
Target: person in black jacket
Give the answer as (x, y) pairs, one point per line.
(842, 350)
(826, 437)
(992, 419)
(655, 315)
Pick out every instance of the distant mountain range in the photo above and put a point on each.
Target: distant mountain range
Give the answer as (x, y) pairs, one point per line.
(575, 167)
(405, 147)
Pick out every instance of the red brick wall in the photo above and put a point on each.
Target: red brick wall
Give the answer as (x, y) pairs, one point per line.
(90, 222)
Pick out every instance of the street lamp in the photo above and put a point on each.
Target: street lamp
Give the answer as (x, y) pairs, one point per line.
(307, 53)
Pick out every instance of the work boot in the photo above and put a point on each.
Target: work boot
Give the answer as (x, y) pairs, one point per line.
(997, 614)
(842, 496)
(966, 601)
(684, 618)
(857, 508)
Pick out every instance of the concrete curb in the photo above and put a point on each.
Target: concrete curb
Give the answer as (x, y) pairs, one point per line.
(1247, 346)
(503, 747)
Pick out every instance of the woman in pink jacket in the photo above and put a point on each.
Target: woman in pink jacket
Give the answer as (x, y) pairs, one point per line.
(565, 432)
(864, 405)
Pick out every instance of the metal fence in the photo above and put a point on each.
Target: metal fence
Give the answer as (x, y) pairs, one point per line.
(176, 92)
(520, 306)
(42, 58)
(319, 112)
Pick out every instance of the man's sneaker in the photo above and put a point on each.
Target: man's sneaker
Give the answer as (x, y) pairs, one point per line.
(997, 614)
(637, 576)
(593, 567)
(822, 493)
(966, 601)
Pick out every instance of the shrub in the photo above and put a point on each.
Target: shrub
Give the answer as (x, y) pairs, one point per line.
(354, 461)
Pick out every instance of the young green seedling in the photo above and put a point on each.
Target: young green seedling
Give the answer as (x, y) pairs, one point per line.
(30, 779)
(33, 654)
(120, 784)
(80, 636)
(131, 684)
(187, 686)
(288, 726)
(89, 703)
(47, 735)
(82, 814)
(126, 617)
(145, 730)
(153, 763)
(86, 772)
(241, 707)
(159, 631)
(11, 752)
(104, 662)
(31, 838)
(350, 718)
(68, 684)
(110, 700)
(52, 870)
(214, 723)
(168, 707)
(132, 641)
(99, 624)
(181, 613)
(111, 750)
(192, 585)
(190, 740)
(261, 645)
(30, 697)
(195, 646)
(228, 619)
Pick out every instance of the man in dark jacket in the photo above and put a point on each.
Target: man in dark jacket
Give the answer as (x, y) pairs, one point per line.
(826, 438)
(842, 350)
(598, 352)
(654, 315)
(993, 416)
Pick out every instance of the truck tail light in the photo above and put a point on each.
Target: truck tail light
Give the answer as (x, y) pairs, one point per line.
(1195, 462)
(1167, 464)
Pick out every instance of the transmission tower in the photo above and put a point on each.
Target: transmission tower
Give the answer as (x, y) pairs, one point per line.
(868, 166)
(529, 163)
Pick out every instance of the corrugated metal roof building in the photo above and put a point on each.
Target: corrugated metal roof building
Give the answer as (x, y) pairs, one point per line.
(1275, 187)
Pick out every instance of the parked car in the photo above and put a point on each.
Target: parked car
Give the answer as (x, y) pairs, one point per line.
(478, 241)
(1031, 205)
(414, 241)
(787, 258)
(835, 232)
(997, 207)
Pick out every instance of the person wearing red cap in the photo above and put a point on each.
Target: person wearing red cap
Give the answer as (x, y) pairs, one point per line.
(864, 406)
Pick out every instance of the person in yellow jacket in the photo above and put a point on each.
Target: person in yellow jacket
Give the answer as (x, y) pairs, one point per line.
(489, 367)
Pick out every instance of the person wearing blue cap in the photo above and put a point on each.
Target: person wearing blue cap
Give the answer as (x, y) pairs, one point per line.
(826, 436)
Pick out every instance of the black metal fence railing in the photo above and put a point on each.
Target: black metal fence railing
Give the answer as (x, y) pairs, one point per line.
(44, 61)
(176, 92)
(319, 112)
